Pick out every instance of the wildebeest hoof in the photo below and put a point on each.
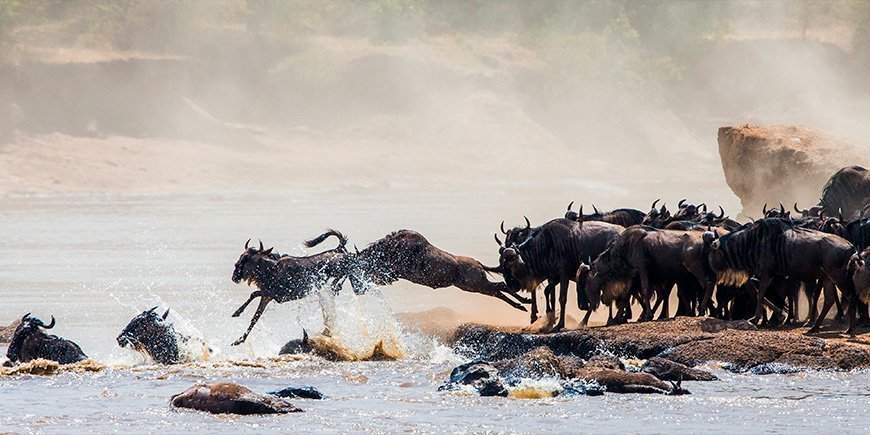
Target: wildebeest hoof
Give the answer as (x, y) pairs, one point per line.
(299, 393)
(229, 398)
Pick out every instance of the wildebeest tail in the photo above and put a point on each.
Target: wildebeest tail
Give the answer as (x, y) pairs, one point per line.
(342, 240)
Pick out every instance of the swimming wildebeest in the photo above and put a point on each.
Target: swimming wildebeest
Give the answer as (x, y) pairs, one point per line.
(30, 342)
(150, 334)
(847, 192)
(772, 247)
(406, 254)
(229, 398)
(553, 252)
(288, 278)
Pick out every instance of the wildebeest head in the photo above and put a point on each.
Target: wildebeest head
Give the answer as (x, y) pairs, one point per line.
(604, 279)
(517, 275)
(149, 333)
(518, 235)
(809, 212)
(710, 218)
(775, 212)
(688, 211)
(28, 327)
(246, 267)
(656, 215)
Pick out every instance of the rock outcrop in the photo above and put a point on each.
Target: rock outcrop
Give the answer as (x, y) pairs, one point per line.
(780, 163)
(688, 341)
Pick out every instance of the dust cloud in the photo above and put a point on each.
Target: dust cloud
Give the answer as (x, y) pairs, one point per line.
(536, 102)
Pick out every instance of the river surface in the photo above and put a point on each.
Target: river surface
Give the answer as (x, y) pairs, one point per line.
(96, 260)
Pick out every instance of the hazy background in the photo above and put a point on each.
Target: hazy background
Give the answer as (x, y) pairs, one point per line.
(161, 95)
(440, 115)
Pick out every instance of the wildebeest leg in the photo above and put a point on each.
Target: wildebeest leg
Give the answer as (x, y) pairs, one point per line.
(550, 296)
(264, 300)
(563, 302)
(813, 290)
(666, 301)
(534, 314)
(764, 283)
(840, 312)
(850, 295)
(645, 292)
(254, 295)
(830, 296)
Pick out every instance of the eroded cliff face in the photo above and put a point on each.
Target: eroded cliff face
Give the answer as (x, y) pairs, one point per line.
(782, 163)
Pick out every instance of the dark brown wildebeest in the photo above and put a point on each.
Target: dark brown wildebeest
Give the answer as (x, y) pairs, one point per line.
(406, 254)
(624, 217)
(809, 212)
(229, 398)
(658, 258)
(847, 192)
(772, 247)
(553, 252)
(288, 278)
(30, 342)
(150, 334)
(860, 271)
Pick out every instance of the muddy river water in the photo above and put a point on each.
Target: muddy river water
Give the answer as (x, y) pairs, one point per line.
(96, 260)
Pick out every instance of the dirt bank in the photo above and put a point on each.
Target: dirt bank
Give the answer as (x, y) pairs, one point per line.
(689, 341)
(782, 163)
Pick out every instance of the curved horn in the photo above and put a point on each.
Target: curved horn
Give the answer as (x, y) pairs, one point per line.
(580, 217)
(304, 336)
(680, 204)
(781, 208)
(570, 205)
(25, 317)
(840, 214)
(152, 309)
(261, 245)
(246, 243)
(822, 213)
(502, 228)
(50, 324)
(529, 224)
(704, 206)
(166, 314)
(497, 240)
(764, 210)
(595, 209)
(721, 213)
(653, 206)
(798, 210)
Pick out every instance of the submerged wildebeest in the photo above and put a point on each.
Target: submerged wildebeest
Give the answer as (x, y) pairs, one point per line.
(150, 334)
(553, 252)
(848, 191)
(624, 217)
(288, 278)
(406, 254)
(657, 258)
(229, 398)
(30, 342)
(772, 247)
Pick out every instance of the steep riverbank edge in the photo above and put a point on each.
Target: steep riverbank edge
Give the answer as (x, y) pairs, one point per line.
(690, 341)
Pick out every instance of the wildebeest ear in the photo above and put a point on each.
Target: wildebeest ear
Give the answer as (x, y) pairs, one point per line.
(304, 336)
(152, 309)
(166, 314)
(268, 251)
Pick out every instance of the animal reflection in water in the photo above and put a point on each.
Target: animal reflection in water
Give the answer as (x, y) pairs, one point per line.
(404, 254)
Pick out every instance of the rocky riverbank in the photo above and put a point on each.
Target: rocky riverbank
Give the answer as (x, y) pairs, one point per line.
(689, 341)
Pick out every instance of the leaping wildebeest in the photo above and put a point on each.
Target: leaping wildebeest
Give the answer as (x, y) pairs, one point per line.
(30, 342)
(406, 254)
(288, 278)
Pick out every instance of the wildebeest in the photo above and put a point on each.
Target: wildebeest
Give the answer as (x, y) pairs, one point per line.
(624, 217)
(297, 346)
(847, 191)
(553, 252)
(772, 247)
(658, 258)
(860, 271)
(406, 254)
(809, 212)
(30, 342)
(288, 278)
(229, 398)
(150, 334)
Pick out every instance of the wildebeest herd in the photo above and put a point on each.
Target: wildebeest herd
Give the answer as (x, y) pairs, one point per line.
(719, 267)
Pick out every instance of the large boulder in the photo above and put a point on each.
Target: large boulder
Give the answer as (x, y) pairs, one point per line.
(782, 163)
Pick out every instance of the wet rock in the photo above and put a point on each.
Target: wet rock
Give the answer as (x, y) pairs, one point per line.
(605, 362)
(772, 368)
(307, 392)
(668, 370)
(493, 344)
(715, 326)
(538, 363)
(229, 398)
(781, 163)
(581, 387)
(480, 375)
